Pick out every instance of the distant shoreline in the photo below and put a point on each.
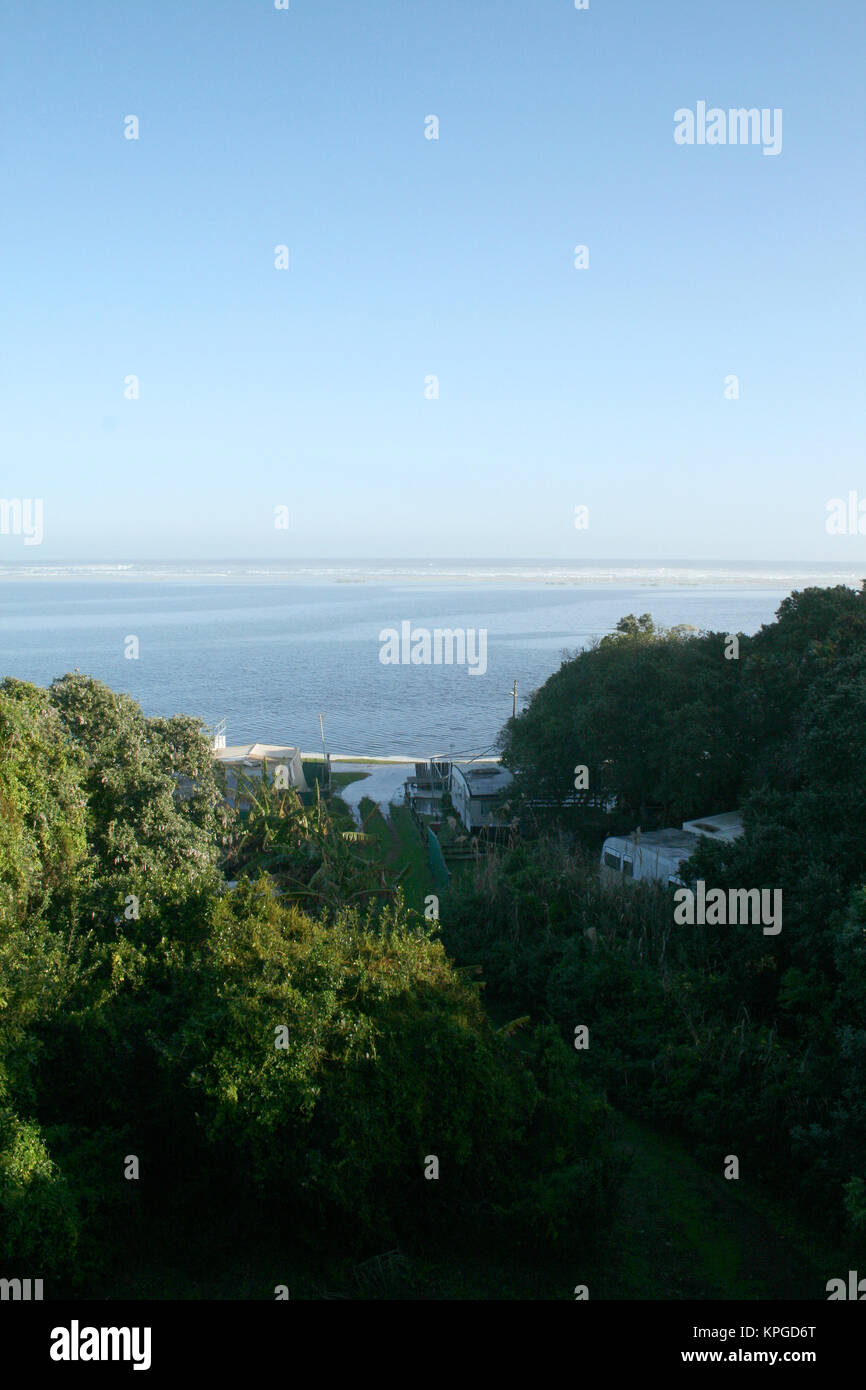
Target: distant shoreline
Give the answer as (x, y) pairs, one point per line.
(679, 574)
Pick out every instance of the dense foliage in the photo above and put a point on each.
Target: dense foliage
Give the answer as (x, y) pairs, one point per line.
(751, 1044)
(649, 712)
(179, 1058)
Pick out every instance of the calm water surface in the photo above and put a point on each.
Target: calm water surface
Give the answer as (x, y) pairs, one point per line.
(268, 648)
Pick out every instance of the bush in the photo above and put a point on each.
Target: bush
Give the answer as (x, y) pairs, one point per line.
(38, 1217)
(390, 1061)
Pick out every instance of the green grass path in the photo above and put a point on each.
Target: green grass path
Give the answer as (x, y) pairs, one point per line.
(400, 847)
(685, 1233)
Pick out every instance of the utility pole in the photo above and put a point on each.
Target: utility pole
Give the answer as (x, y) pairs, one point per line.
(514, 701)
(325, 766)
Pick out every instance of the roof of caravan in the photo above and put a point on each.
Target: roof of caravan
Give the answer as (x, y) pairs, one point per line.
(237, 752)
(727, 826)
(485, 781)
(676, 842)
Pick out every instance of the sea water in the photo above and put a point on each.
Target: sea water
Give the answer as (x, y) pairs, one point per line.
(268, 647)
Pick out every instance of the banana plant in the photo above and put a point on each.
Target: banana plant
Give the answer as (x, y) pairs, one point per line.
(308, 854)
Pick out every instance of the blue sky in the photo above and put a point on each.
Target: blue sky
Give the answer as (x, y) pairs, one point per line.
(412, 257)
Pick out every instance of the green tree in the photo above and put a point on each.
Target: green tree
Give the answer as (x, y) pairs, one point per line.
(156, 819)
(387, 1060)
(44, 872)
(652, 713)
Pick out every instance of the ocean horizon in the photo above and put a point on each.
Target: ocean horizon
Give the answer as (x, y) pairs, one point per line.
(528, 570)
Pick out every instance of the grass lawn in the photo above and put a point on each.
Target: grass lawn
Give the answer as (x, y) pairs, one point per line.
(312, 770)
(342, 779)
(400, 847)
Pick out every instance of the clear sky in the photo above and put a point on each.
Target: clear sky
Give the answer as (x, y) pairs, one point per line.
(412, 257)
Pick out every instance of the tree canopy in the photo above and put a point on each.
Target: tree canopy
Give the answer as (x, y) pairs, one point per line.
(294, 1050)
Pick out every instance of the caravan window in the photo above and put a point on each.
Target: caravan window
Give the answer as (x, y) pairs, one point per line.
(628, 868)
(611, 860)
